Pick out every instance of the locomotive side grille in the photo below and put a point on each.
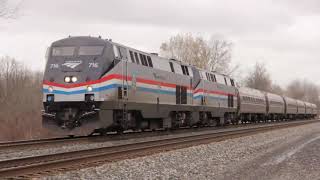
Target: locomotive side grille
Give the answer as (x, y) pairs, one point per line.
(120, 93)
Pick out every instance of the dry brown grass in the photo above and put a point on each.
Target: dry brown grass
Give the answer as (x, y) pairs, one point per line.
(20, 102)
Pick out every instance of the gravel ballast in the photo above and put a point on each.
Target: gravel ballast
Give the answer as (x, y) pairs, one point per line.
(218, 160)
(75, 146)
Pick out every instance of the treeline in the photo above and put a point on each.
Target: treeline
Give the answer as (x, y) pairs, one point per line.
(20, 101)
(302, 89)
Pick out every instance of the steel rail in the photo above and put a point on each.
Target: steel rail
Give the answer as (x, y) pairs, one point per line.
(17, 145)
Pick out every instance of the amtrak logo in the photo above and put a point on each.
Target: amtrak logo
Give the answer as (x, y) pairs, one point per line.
(72, 64)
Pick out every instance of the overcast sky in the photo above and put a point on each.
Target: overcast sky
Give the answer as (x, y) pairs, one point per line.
(284, 34)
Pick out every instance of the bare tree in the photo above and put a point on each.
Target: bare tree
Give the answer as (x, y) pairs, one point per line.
(259, 78)
(220, 55)
(275, 88)
(213, 54)
(7, 10)
(20, 98)
(304, 90)
(312, 93)
(296, 89)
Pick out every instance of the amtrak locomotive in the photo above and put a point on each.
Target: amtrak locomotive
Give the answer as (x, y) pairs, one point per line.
(95, 85)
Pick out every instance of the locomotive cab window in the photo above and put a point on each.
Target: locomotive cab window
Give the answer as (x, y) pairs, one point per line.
(90, 50)
(63, 51)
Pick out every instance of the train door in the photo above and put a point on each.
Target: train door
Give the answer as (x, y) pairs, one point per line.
(125, 78)
(181, 94)
(230, 101)
(121, 54)
(178, 94)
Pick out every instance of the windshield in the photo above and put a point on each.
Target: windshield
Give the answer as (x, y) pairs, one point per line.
(90, 50)
(63, 51)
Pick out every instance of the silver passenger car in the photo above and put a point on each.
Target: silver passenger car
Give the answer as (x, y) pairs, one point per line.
(276, 106)
(301, 109)
(291, 107)
(253, 104)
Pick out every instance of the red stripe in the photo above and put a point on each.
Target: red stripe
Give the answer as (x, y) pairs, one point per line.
(147, 81)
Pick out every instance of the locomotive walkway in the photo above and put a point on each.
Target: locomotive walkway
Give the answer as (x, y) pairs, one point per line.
(49, 164)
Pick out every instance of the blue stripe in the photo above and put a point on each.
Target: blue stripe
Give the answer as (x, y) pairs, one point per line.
(156, 91)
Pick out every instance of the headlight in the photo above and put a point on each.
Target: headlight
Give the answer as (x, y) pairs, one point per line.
(67, 79)
(50, 89)
(89, 88)
(74, 79)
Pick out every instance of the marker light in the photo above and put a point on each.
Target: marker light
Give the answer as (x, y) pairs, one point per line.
(67, 79)
(50, 98)
(74, 79)
(50, 89)
(89, 88)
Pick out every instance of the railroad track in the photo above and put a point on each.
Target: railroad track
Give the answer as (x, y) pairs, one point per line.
(49, 164)
(46, 143)
(39, 142)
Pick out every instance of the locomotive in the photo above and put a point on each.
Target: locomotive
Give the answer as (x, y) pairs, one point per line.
(96, 85)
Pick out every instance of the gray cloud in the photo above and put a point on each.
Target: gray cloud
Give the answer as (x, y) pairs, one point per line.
(227, 15)
(279, 32)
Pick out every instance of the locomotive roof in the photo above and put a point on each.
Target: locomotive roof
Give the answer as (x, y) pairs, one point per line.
(168, 59)
(81, 40)
(89, 40)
